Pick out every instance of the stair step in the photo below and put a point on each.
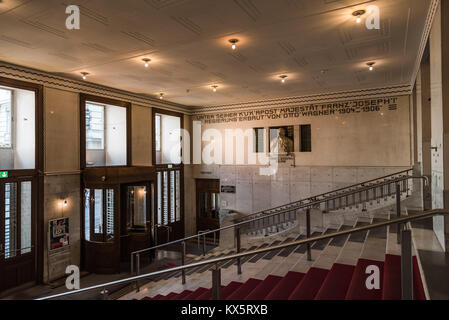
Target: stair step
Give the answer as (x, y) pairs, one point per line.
(321, 244)
(309, 285)
(229, 289)
(270, 255)
(336, 283)
(182, 295)
(287, 251)
(359, 236)
(392, 278)
(244, 289)
(264, 288)
(357, 288)
(195, 294)
(259, 256)
(286, 286)
(340, 241)
(303, 247)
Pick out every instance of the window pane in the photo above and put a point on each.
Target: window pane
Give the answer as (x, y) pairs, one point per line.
(109, 213)
(281, 139)
(5, 119)
(178, 197)
(159, 198)
(10, 220)
(98, 214)
(258, 140)
(157, 130)
(172, 196)
(165, 198)
(25, 217)
(87, 201)
(306, 138)
(94, 127)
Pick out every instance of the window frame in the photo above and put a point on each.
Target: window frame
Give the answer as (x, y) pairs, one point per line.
(11, 147)
(155, 111)
(279, 127)
(85, 98)
(301, 149)
(104, 124)
(255, 137)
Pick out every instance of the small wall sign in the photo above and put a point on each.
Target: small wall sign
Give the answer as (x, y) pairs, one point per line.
(228, 189)
(3, 174)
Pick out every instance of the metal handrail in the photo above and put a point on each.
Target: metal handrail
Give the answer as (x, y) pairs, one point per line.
(305, 205)
(327, 193)
(401, 220)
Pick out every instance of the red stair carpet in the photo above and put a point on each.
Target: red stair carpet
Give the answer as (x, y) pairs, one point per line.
(339, 283)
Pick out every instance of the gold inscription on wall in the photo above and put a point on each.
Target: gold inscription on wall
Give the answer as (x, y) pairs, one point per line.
(312, 110)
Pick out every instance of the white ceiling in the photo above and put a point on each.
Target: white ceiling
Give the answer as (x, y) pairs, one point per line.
(187, 41)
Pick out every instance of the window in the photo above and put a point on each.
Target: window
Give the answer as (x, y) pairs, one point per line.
(98, 214)
(5, 118)
(259, 139)
(157, 128)
(168, 197)
(306, 138)
(167, 138)
(94, 127)
(105, 132)
(281, 139)
(17, 129)
(137, 208)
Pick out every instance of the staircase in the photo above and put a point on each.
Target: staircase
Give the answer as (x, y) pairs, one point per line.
(341, 282)
(337, 269)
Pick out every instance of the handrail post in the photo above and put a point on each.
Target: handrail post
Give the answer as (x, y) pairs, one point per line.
(105, 294)
(132, 264)
(237, 235)
(309, 252)
(406, 265)
(398, 211)
(204, 244)
(216, 283)
(183, 254)
(138, 271)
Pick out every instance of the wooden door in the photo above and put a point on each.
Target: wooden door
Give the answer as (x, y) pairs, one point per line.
(207, 204)
(17, 231)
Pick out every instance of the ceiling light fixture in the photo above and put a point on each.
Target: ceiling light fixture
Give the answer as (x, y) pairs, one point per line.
(147, 62)
(161, 96)
(359, 14)
(84, 74)
(233, 42)
(283, 77)
(214, 88)
(371, 65)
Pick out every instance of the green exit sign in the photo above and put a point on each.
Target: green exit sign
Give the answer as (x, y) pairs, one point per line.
(3, 174)
(169, 166)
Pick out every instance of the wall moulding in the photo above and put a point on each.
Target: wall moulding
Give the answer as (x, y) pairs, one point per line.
(392, 91)
(50, 80)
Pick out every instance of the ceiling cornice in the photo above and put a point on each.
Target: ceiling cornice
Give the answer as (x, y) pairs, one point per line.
(50, 80)
(424, 38)
(399, 90)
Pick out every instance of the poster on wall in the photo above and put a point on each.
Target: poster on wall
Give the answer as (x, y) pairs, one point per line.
(59, 233)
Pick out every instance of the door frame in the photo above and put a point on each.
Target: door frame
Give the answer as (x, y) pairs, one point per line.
(198, 216)
(37, 173)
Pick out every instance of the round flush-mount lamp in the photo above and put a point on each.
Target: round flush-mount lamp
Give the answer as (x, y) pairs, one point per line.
(370, 66)
(358, 14)
(233, 43)
(283, 78)
(147, 62)
(84, 75)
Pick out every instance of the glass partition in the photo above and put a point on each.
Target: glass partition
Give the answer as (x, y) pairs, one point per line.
(17, 129)
(99, 214)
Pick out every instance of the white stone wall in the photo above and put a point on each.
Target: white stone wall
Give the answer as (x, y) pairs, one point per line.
(256, 193)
